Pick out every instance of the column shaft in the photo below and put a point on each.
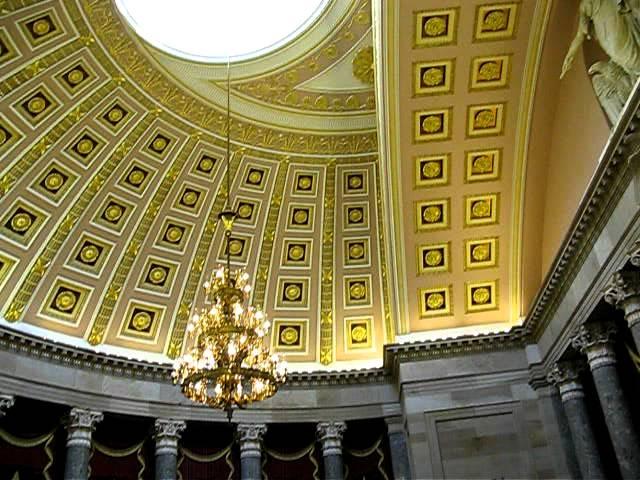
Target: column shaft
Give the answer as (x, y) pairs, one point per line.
(566, 376)
(618, 419)
(333, 468)
(584, 440)
(250, 440)
(80, 426)
(596, 341)
(330, 437)
(398, 447)
(167, 434)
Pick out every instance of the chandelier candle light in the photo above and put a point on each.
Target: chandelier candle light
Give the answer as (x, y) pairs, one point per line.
(229, 363)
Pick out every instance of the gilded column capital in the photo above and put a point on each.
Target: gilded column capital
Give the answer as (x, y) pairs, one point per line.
(80, 425)
(623, 292)
(596, 341)
(167, 433)
(6, 402)
(566, 375)
(250, 439)
(330, 437)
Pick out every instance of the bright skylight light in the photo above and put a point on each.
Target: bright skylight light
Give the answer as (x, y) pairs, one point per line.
(211, 30)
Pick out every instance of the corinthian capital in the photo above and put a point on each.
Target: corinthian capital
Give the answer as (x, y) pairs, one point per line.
(80, 425)
(6, 402)
(565, 372)
(250, 439)
(169, 428)
(623, 286)
(330, 436)
(167, 434)
(596, 341)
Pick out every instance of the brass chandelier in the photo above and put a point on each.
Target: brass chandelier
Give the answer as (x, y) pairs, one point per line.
(229, 363)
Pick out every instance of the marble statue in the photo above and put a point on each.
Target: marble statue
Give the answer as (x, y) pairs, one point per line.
(616, 26)
(612, 86)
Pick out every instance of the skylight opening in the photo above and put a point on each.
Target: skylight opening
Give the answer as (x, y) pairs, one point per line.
(212, 30)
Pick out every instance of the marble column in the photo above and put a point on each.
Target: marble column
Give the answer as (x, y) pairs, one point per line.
(330, 437)
(6, 402)
(398, 447)
(596, 340)
(566, 376)
(624, 293)
(80, 425)
(167, 434)
(250, 440)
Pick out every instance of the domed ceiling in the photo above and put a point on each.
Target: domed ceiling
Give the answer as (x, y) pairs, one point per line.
(112, 162)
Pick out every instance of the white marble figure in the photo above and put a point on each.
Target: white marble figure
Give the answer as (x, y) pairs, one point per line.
(612, 86)
(616, 26)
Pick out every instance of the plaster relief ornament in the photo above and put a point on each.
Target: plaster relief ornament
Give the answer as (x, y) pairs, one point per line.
(616, 25)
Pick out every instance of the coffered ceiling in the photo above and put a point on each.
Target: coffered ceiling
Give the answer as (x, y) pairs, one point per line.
(111, 168)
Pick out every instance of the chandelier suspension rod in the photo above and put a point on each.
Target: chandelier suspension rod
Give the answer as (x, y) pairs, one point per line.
(227, 232)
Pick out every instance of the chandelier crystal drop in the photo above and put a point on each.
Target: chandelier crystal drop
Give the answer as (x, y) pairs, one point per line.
(228, 362)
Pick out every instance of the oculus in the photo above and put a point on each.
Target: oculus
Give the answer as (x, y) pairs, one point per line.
(213, 31)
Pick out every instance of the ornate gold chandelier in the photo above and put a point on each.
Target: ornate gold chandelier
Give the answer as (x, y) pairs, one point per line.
(229, 363)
